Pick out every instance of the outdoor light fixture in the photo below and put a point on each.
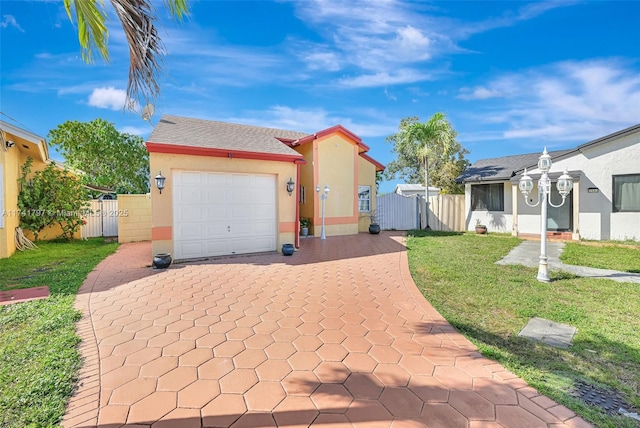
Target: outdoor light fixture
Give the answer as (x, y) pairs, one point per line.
(160, 181)
(564, 186)
(323, 197)
(290, 185)
(9, 144)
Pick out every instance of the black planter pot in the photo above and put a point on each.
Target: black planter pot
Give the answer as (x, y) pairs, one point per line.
(287, 249)
(161, 261)
(374, 229)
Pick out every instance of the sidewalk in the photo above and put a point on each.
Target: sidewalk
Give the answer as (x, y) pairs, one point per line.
(528, 253)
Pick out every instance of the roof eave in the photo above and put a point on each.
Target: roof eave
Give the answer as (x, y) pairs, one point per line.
(224, 153)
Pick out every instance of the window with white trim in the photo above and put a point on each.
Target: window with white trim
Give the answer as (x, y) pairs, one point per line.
(364, 199)
(626, 193)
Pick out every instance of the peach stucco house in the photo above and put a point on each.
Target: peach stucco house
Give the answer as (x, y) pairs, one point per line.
(226, 186)
(16, 146)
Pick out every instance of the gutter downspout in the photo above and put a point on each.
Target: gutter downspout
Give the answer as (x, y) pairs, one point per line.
(297, 220)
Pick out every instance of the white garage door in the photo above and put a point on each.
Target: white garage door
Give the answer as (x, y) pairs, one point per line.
(221, 213)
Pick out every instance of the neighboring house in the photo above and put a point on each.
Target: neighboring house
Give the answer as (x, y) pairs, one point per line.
(227, 186)
(16, 146)
(604, 203)
(415, 189)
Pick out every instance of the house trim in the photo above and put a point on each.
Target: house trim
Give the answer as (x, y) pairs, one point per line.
(378, 165)
(220, 153)
(326, 132)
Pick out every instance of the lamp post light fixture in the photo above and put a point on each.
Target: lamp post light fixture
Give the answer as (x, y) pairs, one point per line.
(564, 186)
(160, 181)
(323, 197)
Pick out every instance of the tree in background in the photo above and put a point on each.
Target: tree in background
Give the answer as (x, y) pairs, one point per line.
(109, 158)
(48, 197)
(427, 152)
(138, 19)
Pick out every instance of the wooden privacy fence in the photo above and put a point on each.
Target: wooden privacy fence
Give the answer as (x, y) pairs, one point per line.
(446, 213)
(398, 212)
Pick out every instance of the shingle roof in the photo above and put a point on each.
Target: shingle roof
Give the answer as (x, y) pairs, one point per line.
(502, 168)
(184, 131)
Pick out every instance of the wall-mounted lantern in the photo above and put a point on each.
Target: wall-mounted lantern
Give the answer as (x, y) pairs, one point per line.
(290, 186)
(160, 181)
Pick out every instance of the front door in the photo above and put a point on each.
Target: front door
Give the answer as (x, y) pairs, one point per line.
(560, 219)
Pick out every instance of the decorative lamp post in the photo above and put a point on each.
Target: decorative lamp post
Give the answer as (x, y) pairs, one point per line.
(323, 197)
(564, 186)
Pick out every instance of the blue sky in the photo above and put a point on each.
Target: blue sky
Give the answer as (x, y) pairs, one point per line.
(512, 77)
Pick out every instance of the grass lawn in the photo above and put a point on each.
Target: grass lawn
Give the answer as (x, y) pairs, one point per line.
(491, 303)
(39, 361)
(623, 258)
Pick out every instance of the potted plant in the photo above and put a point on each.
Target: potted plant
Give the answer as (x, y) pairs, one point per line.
(480, 228)
(305, 223)
(374, 227)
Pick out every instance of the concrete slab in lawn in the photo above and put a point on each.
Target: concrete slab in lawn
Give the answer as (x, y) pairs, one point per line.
(548, 332)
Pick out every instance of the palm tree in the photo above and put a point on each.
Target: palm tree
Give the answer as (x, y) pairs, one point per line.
(138, 19)
(433, 139)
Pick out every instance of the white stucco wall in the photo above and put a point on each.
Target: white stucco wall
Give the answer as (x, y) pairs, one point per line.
(596, 219)
(496, 221)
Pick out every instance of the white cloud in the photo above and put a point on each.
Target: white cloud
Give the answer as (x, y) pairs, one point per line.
(10, 21)
(385, 78)
(108, 97)
(508, 18)
(389, 95)
(572, 100)
(372, 40)
(478, 93)
(135, 130)
(316, 119)
(412, 39)
(322, 60)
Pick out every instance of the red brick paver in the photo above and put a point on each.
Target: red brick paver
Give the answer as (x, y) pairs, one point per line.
(335, 335)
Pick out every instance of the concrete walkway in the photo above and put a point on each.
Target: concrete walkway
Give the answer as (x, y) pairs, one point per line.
(336, 335)
(528, 253)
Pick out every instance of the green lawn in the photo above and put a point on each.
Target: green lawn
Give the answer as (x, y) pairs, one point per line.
(39, 361)
(491, 303)
(617, 257)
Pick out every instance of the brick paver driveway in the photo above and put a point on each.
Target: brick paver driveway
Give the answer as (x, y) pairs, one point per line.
(335, 335)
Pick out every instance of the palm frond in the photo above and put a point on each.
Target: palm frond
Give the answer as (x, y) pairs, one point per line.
(178, 8)
(145, 46)
(92, 29)
(146, 50)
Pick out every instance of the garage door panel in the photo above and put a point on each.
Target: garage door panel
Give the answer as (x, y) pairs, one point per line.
(214, 195)
(215, 231)
(192, 178)
(223, 213)
(186, 194)
(261, 198)
(242, 180)
(254, 228)
(192, 214)
(189, 231)
(216, 212)
(217, 179)
(252, 245)
(263, 181)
